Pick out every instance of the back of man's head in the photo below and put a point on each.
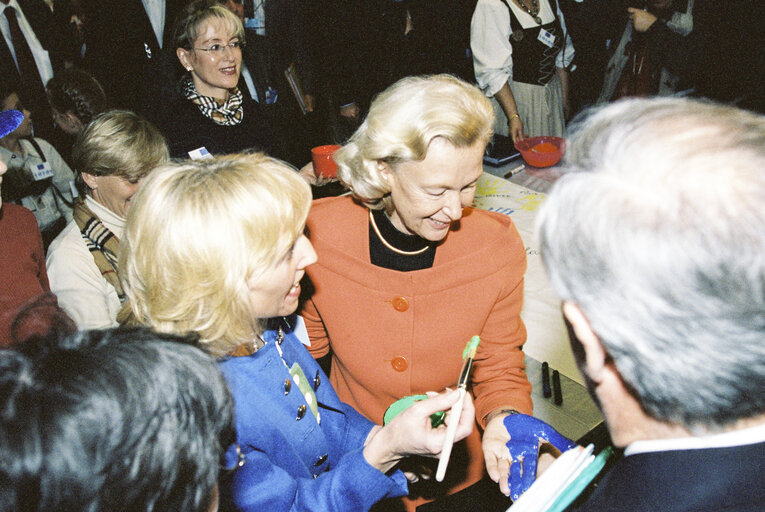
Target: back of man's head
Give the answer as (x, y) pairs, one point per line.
(657, 233)
(111, 420)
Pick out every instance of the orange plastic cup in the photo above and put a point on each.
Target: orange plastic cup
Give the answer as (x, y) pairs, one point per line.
(323, 163)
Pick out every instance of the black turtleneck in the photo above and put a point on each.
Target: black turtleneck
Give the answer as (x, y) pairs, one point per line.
(383, 257)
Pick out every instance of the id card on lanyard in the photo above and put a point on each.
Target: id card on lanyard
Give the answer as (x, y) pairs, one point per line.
(42, 171)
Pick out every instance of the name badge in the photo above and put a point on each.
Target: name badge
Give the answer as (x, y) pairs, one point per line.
(546, 38)
(200, 154)
(299, 378)
(42, 171)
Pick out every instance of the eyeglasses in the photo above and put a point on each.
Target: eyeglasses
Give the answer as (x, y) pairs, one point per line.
(218, 49)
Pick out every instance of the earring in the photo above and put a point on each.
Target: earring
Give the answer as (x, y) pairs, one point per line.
(188, 68)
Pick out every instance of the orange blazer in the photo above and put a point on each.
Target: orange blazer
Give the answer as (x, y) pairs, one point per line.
(395, 333)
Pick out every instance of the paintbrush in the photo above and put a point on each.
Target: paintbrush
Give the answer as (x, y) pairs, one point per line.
(456, 411)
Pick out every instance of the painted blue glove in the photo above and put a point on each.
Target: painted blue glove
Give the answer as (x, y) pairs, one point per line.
(525, 435)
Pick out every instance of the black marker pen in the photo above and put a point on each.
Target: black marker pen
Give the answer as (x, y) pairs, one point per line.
(546, 380)
(557, 392)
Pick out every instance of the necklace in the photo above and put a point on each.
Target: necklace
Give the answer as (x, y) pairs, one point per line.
(389, 246)
(534, 13)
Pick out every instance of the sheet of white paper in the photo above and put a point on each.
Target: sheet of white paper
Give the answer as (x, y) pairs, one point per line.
(552, 482)
(547, 336)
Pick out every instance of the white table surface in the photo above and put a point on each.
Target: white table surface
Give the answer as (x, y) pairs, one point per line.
(547, 336)
(520, 197)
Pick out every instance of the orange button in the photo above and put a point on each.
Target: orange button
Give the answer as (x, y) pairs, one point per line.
(400, 304)
(399, 364)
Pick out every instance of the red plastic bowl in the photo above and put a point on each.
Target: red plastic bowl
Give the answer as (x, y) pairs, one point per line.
(538, 152)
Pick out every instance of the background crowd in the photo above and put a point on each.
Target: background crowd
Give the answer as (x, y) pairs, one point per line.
(344, 53)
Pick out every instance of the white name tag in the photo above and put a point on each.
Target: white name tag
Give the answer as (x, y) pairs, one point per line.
(200, 154)
(546, 38)
(42, 171)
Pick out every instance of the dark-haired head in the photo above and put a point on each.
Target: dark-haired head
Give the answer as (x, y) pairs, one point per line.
(117, 420)
(76, 98)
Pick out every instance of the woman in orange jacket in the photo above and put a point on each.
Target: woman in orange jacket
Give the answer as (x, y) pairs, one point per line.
(408, 272)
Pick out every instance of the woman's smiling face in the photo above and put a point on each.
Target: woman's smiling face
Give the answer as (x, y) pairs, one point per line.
(276, 291)
(429, 195)
(213, 73)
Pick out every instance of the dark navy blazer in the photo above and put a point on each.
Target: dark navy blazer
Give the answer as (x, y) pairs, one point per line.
(714, 479)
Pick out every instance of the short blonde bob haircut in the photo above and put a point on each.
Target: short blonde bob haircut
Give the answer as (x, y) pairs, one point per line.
(196, 232)
(191, 18)
(118, 143)
(402, 122)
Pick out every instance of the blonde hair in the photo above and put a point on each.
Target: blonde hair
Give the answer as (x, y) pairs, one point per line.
(402, 122)
(196, 232)
(118, 143)
(190, 19)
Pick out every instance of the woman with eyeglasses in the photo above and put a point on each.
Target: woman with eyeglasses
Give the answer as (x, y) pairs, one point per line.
(216, 247)
(209, 114)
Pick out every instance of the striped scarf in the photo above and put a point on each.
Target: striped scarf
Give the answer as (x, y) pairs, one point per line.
(230, 113)
(101, 243)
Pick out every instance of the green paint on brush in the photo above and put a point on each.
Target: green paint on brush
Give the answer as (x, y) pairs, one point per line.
(471, 347)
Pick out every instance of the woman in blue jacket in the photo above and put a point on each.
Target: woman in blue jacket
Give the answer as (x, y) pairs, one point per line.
(217, 247)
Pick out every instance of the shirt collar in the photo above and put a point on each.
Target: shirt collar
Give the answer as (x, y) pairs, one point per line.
(14, 4)
(729, 439)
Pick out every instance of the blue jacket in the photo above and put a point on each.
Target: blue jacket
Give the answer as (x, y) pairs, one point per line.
(293, 462)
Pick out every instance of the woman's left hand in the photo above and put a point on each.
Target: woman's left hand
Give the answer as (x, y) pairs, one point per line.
(495, 452)
(535, 446)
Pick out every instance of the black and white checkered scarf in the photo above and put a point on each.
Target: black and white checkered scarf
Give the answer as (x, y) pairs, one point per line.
(228, 114)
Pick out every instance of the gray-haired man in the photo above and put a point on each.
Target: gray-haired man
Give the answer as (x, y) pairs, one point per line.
(655, 241)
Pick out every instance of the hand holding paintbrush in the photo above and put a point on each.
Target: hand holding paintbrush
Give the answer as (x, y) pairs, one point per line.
(404, 423)
(411, 431)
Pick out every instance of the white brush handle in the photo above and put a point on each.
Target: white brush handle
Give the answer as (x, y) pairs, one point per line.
(451, 432)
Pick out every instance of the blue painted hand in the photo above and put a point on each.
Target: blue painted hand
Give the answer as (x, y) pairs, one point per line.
(526, 434)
